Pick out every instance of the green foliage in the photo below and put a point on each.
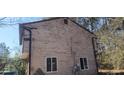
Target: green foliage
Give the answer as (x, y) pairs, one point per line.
(4, 51)
(11, 64)
(19, 64)
(110, 33)
(112, 40)
(4, 55)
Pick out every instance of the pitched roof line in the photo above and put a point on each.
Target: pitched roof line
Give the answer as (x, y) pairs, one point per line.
(59, 18)
(20, 25)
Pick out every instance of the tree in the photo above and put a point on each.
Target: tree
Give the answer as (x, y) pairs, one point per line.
(4, 52)
(19, 64)
(91, 23)
(111, 35)
(4, 55)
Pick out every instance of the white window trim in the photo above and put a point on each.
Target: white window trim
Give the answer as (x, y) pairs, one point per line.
(87, 64)
(46, 64)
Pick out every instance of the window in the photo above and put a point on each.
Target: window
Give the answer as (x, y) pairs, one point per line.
(51, 64)
(83, 63)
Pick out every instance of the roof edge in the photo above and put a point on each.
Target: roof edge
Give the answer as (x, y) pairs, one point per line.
(59, 18)
(49, 19)
(21, 30)
(82, 27)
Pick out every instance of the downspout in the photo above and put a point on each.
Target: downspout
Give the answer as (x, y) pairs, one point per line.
(30, 48)
(29, 29)
(94, 51)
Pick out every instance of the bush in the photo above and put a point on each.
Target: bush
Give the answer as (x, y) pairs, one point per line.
(106, 66)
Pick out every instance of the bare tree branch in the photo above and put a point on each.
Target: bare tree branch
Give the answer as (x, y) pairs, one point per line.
(2, 18)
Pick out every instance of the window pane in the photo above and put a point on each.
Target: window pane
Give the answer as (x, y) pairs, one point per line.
(48, 64)
(85, 63)
(54, 64)
(81, 63)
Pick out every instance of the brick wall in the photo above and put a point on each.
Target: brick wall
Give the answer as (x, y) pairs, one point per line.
(66, 42)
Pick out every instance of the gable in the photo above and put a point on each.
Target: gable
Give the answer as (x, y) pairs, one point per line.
(30, 24)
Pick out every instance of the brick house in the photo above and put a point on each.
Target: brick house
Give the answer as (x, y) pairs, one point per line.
(58, 46)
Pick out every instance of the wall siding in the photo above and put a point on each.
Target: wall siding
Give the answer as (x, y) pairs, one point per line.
(66, 42)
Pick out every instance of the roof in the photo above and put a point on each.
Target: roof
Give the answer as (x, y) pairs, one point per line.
(50, 19)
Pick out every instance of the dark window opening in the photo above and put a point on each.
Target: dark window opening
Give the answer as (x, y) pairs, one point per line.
(83, 63)
(48, 64)
(51, 64)
(54, 64)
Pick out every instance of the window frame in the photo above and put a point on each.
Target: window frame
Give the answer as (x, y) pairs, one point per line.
(84, 64)
(51, 64)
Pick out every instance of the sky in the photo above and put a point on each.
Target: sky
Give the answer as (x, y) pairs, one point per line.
(9, 35)
(9, 31)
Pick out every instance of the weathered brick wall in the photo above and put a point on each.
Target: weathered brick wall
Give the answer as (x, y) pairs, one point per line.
(66, 42)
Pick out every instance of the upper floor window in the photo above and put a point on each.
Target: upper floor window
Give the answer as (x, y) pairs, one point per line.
(83, 63)
(51, 64)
